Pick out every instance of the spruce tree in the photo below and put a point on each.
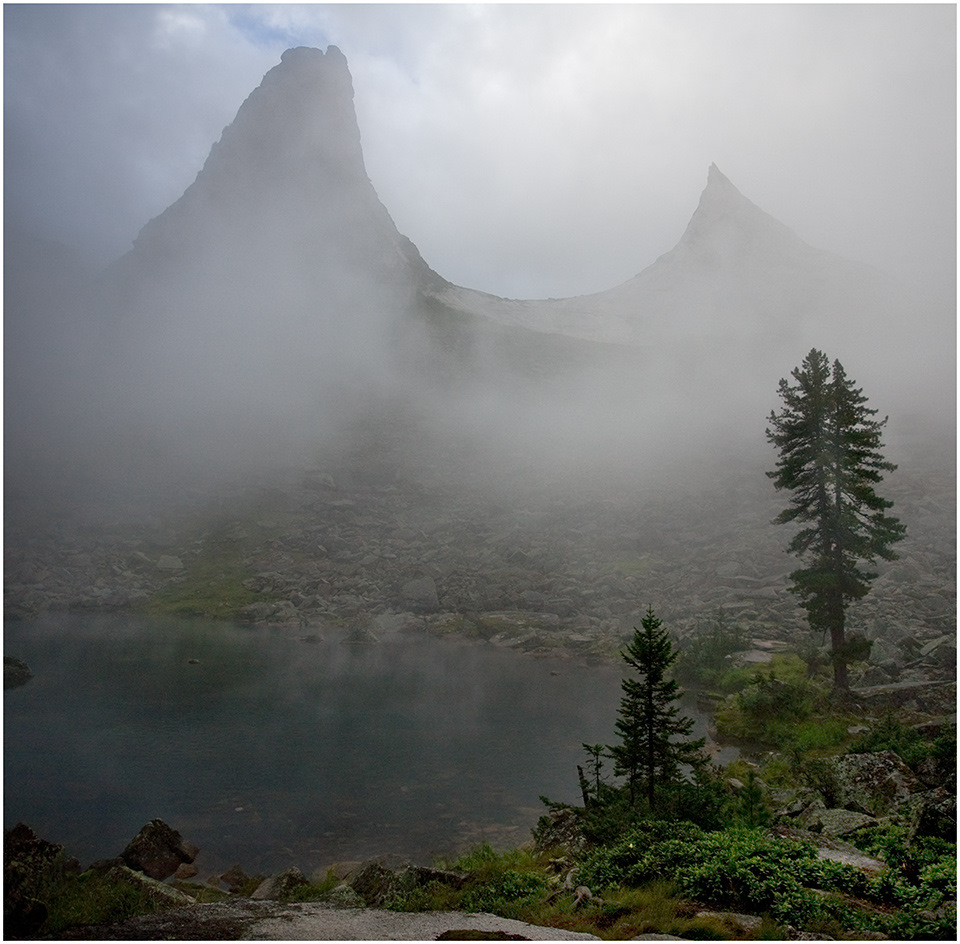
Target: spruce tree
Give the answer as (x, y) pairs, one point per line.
(654, 742)
(830, 460)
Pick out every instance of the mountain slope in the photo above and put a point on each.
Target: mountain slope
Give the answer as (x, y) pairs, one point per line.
(735, 271)
(275, 304)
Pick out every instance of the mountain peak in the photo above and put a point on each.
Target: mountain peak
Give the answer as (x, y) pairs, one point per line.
(286, 180)
(726, 220)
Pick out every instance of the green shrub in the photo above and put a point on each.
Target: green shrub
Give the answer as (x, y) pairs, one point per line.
(741, 869)
(819, 734)
(505, 894)
(314, 891)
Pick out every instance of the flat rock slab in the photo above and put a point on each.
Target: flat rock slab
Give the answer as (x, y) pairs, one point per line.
(243, 919)
(315, 922)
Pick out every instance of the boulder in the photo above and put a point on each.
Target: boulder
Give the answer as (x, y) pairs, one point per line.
(169, 563)
(421, 595)
(159, 892)
(378, 880)
(935, 814)
(344, 896)
(234, 879)
(372, 882)
(834, 824)
(157, 851)
(15, 672)
(281, 885)
(874, 783)
(559, 831)
(26, 861)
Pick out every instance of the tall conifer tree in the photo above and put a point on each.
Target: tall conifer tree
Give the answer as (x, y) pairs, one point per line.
(653, 740)
(830, 460)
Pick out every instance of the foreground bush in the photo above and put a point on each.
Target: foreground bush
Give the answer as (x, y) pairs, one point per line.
(748, 870)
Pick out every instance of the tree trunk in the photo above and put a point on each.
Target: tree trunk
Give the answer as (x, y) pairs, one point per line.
(584, 787)
(841, 683)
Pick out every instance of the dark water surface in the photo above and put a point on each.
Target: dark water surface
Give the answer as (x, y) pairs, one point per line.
(271, 750)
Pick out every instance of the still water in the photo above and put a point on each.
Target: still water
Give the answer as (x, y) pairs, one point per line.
(269, 749)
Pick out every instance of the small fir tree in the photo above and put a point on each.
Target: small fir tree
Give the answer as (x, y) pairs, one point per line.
(595, 765)
(654, 741)
(830, 460)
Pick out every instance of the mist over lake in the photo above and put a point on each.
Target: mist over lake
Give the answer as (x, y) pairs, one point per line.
(277, 747)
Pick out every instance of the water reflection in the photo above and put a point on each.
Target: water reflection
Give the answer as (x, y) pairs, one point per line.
(268, 750)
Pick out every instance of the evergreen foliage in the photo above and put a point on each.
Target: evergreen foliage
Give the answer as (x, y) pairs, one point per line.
(830, 460)
(654, 741)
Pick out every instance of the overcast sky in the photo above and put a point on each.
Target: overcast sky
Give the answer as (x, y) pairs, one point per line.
(528, 151)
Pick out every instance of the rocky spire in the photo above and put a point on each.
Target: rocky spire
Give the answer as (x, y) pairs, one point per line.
(285, 184)
(726, 221)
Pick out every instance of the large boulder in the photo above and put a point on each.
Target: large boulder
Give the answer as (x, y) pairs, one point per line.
(157, 851)
(935, 814)
(875, 784)
(27, 860)
(378, 880)
(834, 824)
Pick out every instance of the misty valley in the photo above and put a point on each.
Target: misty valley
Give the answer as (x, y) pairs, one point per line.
(316, 556)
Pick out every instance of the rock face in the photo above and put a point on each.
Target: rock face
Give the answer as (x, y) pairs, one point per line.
(861, 790)
(157, 851)
(874, 783)
(26, 859)
(280, 252)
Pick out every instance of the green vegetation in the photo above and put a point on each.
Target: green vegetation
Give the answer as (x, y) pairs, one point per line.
(660, 874)
(210, 590)
(72, 898)
(527, 886)
(778, 705)
(212, 583)
(703, 662)
(654, 741)
(913, 747)
(830, 460)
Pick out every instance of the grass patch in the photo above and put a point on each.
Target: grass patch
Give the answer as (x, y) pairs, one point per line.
(209, 590)
(212, 584)
(89, 898)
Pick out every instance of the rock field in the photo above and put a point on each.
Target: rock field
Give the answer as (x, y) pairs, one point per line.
(541, 569)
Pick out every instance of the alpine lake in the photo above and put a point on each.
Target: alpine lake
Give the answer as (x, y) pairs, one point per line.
(270, 747)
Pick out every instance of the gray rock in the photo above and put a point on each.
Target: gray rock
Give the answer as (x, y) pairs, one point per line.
(834, 824)
(421, 594)
(157, 850)
(874, 783)
(935, 814)
(160, 892)
(560, 831)
(234, 879)
(281, 885)
(168, 562)
(378, 880)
